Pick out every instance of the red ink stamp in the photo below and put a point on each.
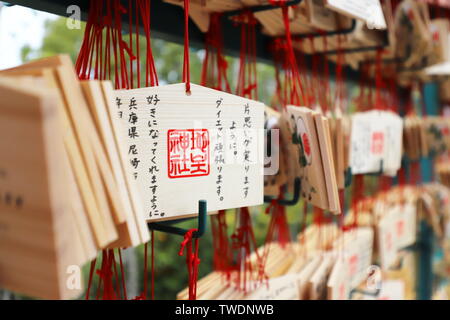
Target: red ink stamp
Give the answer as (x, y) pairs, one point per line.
(188, 153)
(400, 227)
(377, 142)
(353, 264)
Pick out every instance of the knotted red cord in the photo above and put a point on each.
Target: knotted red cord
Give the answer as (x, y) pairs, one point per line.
(297, 92)
(363, 79)
(243, 245)
(124, 287)
(103, 45)
(143, 295)
(247, 84)
(340, 92)
(392, 95)
(278, 231)
(357, 196)
(214, 75)
(415, 175)
(319, 222)
(325, 83)
(315, 86)
(379, 101)
(340, 98)
(279, 98)
(303, 224)
(106, 275)
(222, 259)
(192, 261)
(214, 69)
(243, 239)
(278, 226)
(91, 273)
(286, 59)
(116, 275)
(186, 71)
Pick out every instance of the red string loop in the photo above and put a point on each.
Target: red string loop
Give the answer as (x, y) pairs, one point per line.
(192, 261)
(186, 71)
(247, 84)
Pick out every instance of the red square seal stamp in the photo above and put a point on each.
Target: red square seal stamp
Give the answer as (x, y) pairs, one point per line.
(377, 142)
(188, 153)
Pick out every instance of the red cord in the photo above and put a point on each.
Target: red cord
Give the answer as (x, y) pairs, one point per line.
(136, 32)
(247, 85)
(186, 71)
(297, 91)
(379, 103)
(192, 261)
(243, 244)
(222, 259)
(124, 288)
(116, 276)
(357, 196)
(91, 273)
(213, 51)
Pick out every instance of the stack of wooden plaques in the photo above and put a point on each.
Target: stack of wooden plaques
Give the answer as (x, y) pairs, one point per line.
(65, 189)
(323, 263)
(311, 133)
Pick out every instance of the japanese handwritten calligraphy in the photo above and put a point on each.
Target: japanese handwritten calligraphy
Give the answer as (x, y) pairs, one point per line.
(218, 150)
(153, 133)
(247, 141)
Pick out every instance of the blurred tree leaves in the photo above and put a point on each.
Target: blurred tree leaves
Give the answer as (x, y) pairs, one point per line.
(58, 39)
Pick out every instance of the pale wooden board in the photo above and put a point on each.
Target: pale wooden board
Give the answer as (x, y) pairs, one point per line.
(323, 133)
(72, 149)
(281, 288)
(81, 220)
(289, 151)
(88, 138)
(83, 235)
(394, 140)
(175, 110)
(94, 94)
(358, 9)
(363, 158)
(81, 122)
(321, 17)
(304, 276)
(376, 142)
(357, 248)
(387, 239)
(312, 175)
(93, 97)
(37, 243)
(319, 279)
(133, 192)
(338, 286)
